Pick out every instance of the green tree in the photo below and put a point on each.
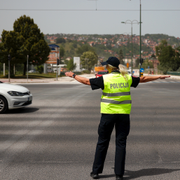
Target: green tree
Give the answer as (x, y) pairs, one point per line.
(147, 64)
(83, 49)
(175, 61)
(40, 69)
(137, 63)
(88, 60)
(121, 57)
(166, 57)
(70, 65)
(153, 56)
(74, 45)
(25, 39)
(60, 40)
(9, 46)
(62, 51)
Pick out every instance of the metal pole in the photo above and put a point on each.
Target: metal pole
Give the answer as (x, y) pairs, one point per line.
(56, 72)
(131, 22)
(131, 48)
(9, 67)
(140, 40)
(9, 71)
(27, 67)
(4, 69)
(59, 59)
(57, 65)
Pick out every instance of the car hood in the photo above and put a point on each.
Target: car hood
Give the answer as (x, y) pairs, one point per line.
(12, 87)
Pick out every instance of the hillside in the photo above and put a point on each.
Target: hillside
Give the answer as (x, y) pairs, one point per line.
(107, 45)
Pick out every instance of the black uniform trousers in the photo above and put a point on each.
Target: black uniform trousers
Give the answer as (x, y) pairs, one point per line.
(122, 127)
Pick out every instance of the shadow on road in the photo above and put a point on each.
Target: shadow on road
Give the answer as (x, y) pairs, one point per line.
(148, 172)
(22, 110)
(106, 176)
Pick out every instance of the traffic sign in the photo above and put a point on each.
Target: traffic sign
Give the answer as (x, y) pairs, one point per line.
(142, 70)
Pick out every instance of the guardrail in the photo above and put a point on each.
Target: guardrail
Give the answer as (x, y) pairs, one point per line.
(173, 73)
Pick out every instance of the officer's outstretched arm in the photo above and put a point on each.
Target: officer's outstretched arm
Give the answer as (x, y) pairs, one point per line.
(144, 79)
(82, 80)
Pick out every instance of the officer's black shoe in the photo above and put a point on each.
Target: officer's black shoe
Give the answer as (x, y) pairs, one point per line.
(94, 175)
(119, 177)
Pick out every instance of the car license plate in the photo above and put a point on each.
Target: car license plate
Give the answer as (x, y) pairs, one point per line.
(30, 98)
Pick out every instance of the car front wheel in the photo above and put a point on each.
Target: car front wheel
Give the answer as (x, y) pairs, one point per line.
(3, 105)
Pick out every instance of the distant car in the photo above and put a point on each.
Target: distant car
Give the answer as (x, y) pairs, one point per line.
(32, 71)
(100, 73)
(129, 72)
(13, 97)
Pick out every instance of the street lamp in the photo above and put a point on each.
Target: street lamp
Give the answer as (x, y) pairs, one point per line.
(140, 39)
(126, 34)
(131, 22)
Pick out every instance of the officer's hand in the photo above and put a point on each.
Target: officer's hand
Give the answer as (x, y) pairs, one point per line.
(70, 74)
(164, 77)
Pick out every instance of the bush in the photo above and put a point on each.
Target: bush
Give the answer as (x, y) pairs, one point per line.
(86, 71)
(11, 76)
(40, 69)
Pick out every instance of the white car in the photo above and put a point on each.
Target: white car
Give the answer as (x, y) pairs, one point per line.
(13, 97)
(129, 72)
(32, 71)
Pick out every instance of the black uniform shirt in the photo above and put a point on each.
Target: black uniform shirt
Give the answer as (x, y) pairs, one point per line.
(97, 83)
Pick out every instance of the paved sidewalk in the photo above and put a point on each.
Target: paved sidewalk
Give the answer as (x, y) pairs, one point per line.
(45, 80)
(61, 80)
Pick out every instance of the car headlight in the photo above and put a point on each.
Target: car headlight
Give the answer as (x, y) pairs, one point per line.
(15, 93)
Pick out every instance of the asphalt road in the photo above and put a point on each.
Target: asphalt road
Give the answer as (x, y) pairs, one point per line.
(55, 137)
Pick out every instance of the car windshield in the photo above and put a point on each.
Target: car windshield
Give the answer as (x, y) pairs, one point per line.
(102, 72)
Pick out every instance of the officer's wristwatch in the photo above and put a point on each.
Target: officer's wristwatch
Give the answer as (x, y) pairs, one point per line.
(74, 75)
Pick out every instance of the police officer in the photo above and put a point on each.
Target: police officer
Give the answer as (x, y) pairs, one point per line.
(115, 112)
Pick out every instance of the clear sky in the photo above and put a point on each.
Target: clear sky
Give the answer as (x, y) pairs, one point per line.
(81, 16)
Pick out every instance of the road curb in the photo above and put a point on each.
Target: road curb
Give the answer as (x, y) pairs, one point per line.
(61, 80)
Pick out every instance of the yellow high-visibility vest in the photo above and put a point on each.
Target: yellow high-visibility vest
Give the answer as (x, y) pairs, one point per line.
(116, 98)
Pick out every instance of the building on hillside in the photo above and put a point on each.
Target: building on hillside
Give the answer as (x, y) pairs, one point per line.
(155, 63)
(68, 58)
(128, 60)
(54, 54)
(51, 63)
(52, 39)
(76, 60)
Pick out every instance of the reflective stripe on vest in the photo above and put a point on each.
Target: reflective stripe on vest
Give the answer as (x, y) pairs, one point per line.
(116, 98)
(116, 94)
(116, 102)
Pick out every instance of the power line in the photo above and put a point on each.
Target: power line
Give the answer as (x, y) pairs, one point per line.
(89, 10)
